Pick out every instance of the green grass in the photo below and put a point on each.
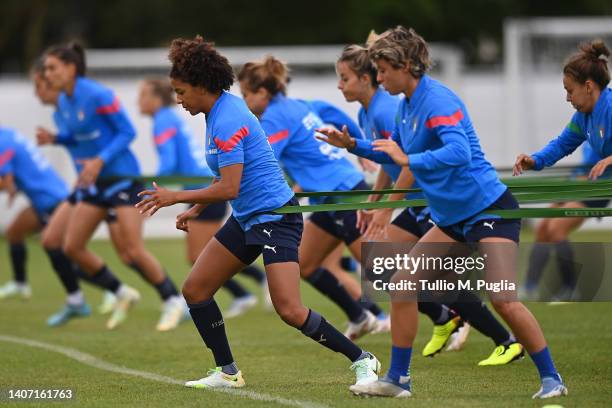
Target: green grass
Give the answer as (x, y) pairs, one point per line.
(276, 359)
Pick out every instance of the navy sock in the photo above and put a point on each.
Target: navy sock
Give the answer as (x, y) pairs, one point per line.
(370, 305)
(236, 289)
(348, 263)
(565, 262)
(544, 363)
(480, 317)
(318, 329)
(400, 362)
(255, 273)
(326, 283)
(166, 289)
(18, 254)
(537, 262)
(432, 310)
(105, 279)
(209, 322)
(63, 267)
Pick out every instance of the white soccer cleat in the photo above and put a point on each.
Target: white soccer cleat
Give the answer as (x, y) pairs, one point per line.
(240, 306)
(383, 324)
(366, 373)
(126, 298)
(551, 387)
(386, 387)
(457, 340)
(218, 379)
(108, 302)
(12, 288)
(357, 330)
(173, 313)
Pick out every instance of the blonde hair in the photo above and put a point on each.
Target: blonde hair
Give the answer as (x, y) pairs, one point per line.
(270, 74)
(399, 46)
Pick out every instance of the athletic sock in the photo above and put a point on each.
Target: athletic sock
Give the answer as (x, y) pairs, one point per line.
(318, 329)
(480, 317)
(565, 262)
(326, 283)
(236, 289)
(434, 311)
(209, 322)
(400, 362)
(63, 267)
(166, 289)
(255, 273)
(75, 298)
(537, 262)
(18, 255)
(544, 363)
(370, 305)
(105, 279)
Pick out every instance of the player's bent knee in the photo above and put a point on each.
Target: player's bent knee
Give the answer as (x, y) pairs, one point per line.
(505, 308)
(292, 314)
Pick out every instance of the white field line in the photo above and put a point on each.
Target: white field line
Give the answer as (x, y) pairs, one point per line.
(95, 362)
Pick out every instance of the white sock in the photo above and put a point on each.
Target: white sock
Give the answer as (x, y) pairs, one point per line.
(122, 291)
(75, 298)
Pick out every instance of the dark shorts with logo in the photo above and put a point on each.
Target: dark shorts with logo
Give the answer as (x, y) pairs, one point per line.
(108, 194)
(278, 241)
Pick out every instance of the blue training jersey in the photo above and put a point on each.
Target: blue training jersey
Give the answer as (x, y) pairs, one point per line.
(444, 153)
(332, 115)
(315, 165)
(92, 123)
(378, 122)
(234, 135)
(179, 153)
(594, 127)
(33, 174)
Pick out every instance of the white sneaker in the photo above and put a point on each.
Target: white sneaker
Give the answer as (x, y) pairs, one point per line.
(12, 288)
(356, 330)
(240, 306)
(386, 387)
(366, 372)
(173, 313)
(268, 305)
(383, 324)
(108, 302)
(126, 298)
(457, 339)
(218, 379)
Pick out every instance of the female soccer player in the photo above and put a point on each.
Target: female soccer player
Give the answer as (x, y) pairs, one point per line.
(552, 234)
(24, 168)
(180, 155)
(248, 175)
(97, 132)
(357, 82)
(290, 126)
(439, 145)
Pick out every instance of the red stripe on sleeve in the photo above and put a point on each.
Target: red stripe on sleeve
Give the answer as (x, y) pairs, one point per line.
(451, 120)
(229, 144)
(164, 136)
(385, 133)
(109, 109)
(278, 136)
(6, 156)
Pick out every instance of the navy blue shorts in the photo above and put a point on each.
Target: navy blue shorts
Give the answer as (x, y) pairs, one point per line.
(340, 224)
(44, 215)
(111, 216)
(596, 203)
(108, 194)
(483, 225)
(212, 212)
(278, 241)
(415, 220)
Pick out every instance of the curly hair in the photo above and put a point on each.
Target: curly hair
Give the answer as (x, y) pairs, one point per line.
(591, 62)
(198, 63)
(400, 45)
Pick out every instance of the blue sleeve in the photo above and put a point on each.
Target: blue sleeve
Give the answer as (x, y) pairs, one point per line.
(363, 148)
(108, 105)
(335, 116)
(7, 152)
(565, 144)
(164, 135)
(64, 136)
(230, 142)
(444, 120)
(277, 133)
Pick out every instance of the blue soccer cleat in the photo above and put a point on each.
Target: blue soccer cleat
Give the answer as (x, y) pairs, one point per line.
(68, 312)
